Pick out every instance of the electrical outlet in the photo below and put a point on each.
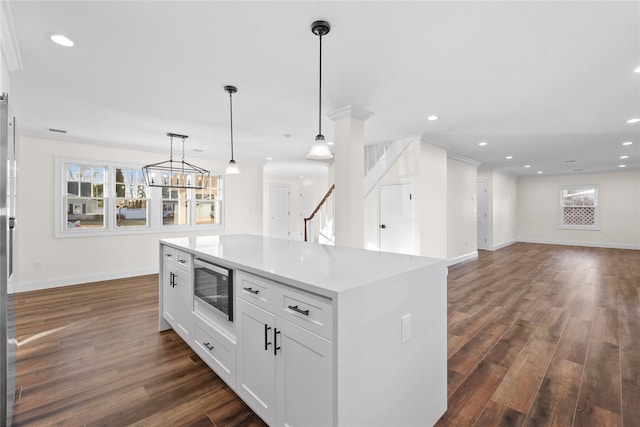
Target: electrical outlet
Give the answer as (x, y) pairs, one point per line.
(406, 328)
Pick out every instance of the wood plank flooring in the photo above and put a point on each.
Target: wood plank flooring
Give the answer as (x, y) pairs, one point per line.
(537, 335)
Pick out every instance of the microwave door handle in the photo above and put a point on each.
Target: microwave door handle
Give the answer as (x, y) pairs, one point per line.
(205, 264)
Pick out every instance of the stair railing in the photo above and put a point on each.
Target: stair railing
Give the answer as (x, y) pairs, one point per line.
(315, 211)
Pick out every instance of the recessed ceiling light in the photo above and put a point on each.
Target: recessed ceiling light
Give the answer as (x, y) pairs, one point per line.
(637, 70)
(509, 157)
(269, 158)
(622, 166)
(301, 177)
(627, 143)
(330, 143)
(61, 40)
(624, 157)
(634, 120)
(482, 144)
(527, 166)
(433, 117)
(539, 171)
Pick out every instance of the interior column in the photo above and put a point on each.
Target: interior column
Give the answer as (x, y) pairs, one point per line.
(349, 174)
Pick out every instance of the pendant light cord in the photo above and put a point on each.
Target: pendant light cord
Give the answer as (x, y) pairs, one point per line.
(231, 115)
(320, 91)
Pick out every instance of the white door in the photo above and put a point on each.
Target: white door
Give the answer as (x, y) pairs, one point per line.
(303, 377)
(279, 212)
(256, 370)
(482, 212)
(396, 218)
(306, 208)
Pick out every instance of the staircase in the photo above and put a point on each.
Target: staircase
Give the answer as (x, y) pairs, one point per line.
(320, 225)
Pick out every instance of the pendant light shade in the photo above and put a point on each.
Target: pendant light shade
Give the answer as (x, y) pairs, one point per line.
(232, 167)
(175, 174)
(320, 149)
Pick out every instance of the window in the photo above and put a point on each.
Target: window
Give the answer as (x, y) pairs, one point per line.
(175, 206)
(579, 207)
(131, 198)
(84, 199)
(113, 198)
(208, 203)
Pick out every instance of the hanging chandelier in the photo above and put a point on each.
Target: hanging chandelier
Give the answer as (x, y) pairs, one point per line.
(175, 174)
(320, 148)
(232, 167)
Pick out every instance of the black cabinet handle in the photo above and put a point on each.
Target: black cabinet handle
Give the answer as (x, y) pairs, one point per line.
(266, 337)
(383, 226)
(172, 280)
(253, 291)
(295, 308)
(276, 332)
(209, 346)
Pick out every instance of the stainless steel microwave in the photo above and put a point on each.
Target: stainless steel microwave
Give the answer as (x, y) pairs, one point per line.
(213, 285)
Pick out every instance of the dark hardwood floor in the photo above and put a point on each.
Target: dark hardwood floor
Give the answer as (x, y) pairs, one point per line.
(538, 335)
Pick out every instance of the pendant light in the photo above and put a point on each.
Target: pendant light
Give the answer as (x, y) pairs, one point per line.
(320, 148)
(232, 167)
(175, 174)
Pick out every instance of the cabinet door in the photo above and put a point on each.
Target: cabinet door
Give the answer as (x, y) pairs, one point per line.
(255, 381)
(183, 293)
(169, 297)
(303, 377)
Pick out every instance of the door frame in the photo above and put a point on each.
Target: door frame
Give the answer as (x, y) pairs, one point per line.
(413, 216)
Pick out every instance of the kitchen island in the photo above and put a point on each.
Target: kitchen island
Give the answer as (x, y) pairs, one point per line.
(318, 335)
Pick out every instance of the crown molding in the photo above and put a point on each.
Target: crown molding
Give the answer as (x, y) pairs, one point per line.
(8, 40)
(352, 111)
(455, 156)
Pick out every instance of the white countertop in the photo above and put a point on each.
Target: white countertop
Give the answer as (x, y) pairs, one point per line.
(323, 269)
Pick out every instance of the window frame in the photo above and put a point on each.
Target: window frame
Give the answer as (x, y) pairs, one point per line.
(562, 206)
(154, 204)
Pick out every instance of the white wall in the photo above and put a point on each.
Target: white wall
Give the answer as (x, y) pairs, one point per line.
(47, 261)
(504, 210)
(619, 208)
(425, 167)
(296, 219)
(502, 195)
(431, 198)
(462, 223)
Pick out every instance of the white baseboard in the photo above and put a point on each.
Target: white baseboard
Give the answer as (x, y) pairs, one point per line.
(587, 244)
(503, 245)
(78, 280)
(462, 258)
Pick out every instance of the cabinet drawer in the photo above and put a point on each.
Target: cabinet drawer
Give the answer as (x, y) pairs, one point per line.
(258, 291)
(311, 312)
(183, 261)
(168, 255)
(218, 351)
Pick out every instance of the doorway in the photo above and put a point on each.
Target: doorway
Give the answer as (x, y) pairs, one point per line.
(395, 230)
(306, 208)
(279, 211)
(482, 213)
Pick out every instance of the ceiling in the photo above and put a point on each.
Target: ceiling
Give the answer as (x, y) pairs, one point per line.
(550, 83)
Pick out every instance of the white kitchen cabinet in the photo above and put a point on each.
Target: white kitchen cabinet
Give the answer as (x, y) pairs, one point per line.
(343, 323)
(177, 291)
(256, 364)
(216, 348)
(303, 377)
(283, 370)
